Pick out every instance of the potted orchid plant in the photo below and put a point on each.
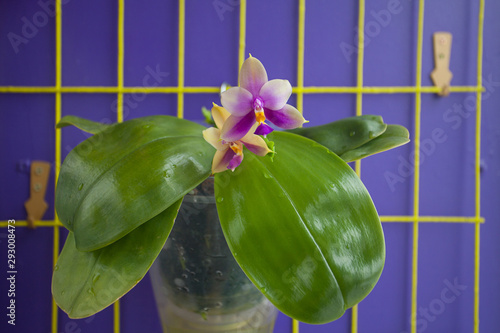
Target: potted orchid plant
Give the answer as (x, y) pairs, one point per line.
(295, 216)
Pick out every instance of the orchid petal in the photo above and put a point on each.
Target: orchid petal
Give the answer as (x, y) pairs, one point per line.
(252, 76)
(238, 101)
(219, 114)
(275, 94)
(237, 127)
(221, 160)
(235, 162)
(263, 129)
(288, 117)
(255, 144)
(212, 136)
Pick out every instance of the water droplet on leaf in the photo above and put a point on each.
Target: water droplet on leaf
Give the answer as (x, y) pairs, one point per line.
(80, 187)
(352, 133)
(220, 199)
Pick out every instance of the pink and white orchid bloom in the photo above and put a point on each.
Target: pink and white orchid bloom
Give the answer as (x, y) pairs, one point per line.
(255, 100)
(230, 153)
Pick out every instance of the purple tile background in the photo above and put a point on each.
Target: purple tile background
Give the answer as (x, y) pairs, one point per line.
(447, 170)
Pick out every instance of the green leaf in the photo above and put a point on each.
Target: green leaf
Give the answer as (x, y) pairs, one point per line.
(83, 124)
(394, 136)
(84, 283)
(303, 228)
(122, 177)
(207, 114)
(346, 134)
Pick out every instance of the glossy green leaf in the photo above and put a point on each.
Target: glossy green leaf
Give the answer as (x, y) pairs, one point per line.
(207, 114)
(84, 283)
(394, 136)
(122, 177)
(82, 123)
(346, 134)
(303, 228)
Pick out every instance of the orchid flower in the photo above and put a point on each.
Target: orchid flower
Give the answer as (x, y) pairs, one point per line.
(255, 100)
(230, 153)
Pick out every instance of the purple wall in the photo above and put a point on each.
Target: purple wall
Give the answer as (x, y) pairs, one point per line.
(89, 53)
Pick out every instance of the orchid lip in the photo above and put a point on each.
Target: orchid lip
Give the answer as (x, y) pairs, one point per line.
(260, 117)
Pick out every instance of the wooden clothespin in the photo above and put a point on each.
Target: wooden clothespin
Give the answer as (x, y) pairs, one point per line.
(441, 75)
(36, 205)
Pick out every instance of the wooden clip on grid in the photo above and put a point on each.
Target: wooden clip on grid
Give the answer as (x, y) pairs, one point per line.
(36, 205)
(441, 75)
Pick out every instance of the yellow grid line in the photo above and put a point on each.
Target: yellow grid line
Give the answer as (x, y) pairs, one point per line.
(295, 326)
(383, 218)
(121, 50)
(477, 237)
(300, 55)
(58, 83)
(361, 52)
(205, 89)
(299, 90)
(359, 111)
(119, 114)
(180, 59)
(300, 83)
(242, 36)
(416, 183)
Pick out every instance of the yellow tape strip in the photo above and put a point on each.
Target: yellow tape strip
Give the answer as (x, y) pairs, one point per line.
(242, 38)
(416, 185)
(477, 166)
(198, 90)
(180, 59)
